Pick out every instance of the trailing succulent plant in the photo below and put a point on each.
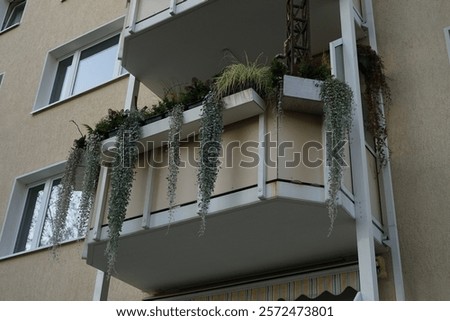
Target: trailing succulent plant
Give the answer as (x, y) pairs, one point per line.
(176, 122)
(122, 177)
(234, 78)
(376, 94)
(209, 152)
(92, 158)
(65, 192)
(337, 98)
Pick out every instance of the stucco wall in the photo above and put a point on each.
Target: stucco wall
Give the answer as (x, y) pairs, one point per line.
(411, 41)
(32, 141)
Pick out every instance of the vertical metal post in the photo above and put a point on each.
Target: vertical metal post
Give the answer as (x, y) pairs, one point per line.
(101, 287)
(262, 168)
(132, 14)
(100, 203)
(364, 226)
(172, 7)
(148, 193)
(132, 93)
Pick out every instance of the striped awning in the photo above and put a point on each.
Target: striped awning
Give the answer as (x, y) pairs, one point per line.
(303, 288)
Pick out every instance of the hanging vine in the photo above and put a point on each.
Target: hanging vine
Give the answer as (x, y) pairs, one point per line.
(66, 189)
(210, 149)
(337, 98)
(377, 94)
(92, 159)
(176, 122)
(122, 176)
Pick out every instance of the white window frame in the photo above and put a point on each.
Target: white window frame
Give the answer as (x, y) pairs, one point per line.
(447, 40)
(16, 207)
(6, 13)
(74, 48)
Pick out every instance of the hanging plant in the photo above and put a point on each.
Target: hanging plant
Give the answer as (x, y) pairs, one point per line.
(337, 98)
(122, 176)
(277, 70)
(66, 189)
(92, 158)
(377, 94)
(176, 122)
(209, 152)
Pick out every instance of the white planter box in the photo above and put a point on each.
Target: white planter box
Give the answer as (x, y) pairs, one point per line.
(302, 95)
(239, 106)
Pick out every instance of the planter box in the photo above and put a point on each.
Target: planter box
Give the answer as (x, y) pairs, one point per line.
(239, 106)
(302, 95)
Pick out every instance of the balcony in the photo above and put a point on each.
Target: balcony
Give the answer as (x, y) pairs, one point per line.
(247, 235)
(265, 216)
(165, 48)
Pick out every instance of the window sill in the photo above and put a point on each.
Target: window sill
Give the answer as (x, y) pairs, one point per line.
(39, 249)
(57, 103)
(14, 26)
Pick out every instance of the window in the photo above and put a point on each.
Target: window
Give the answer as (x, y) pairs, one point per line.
(32, 210)
(85, 69)
(81, 64)
(13, 14)
(40, 208)
(1, 79)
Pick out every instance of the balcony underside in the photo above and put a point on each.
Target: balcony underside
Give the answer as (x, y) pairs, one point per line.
(245, 237)
(204, 36)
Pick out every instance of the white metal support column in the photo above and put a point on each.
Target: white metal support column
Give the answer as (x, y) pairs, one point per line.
(101, 288)
(262, 168)
(148, 193)
(132, 93)
(386, 182)
(364, 228)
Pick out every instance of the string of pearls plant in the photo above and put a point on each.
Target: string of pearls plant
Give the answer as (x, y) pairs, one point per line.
(209, 152)
(65, 191)
(176, 123)
(92, 160)
(122, 176)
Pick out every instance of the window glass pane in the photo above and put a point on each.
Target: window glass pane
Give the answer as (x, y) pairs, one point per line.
(71, 231)
(14, 14)
(28, 226)
(96, 65)
(62, 80)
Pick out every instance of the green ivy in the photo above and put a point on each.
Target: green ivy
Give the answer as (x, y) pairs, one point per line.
(377, 95)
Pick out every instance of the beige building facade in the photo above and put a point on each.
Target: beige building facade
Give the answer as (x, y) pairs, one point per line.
(267, 226)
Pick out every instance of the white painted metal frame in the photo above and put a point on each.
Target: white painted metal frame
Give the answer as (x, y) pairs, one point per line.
(149, 195)
(101, 287)
(364, 228)
(98, 210)
(262, 167)
(172, 7)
